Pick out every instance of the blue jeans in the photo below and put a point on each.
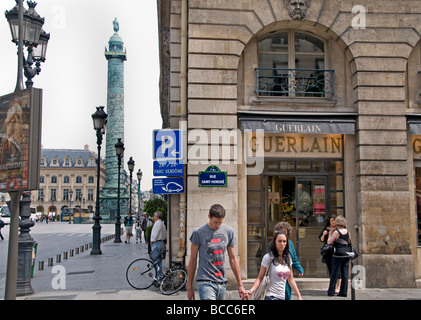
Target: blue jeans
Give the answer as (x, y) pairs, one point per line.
(210, 290)
(156, 251)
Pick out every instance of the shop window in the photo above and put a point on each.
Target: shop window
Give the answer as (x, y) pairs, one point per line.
(292, 64)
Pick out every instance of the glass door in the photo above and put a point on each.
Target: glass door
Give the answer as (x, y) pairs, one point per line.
(300, 201)
(311, 199)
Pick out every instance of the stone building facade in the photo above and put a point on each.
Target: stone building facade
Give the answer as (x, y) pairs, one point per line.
(319, 95)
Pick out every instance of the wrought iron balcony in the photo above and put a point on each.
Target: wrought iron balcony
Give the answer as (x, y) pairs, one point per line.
(294, 82)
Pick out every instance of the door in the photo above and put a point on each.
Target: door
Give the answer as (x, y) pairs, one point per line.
(300, 201)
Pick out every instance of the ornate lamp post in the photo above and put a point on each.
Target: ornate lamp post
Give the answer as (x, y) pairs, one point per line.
(139, 179)
(100, 120)
(119, 150)
(26, 28)
(130, 165)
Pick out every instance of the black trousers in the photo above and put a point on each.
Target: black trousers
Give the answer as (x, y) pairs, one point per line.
(339, 265)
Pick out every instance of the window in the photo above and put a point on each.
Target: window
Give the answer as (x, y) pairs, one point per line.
(91, 179)
(91, 162)
(79, 162)
(41, 179)
(53, 194)
(66, 179)
(43, 162)
(54, 162)
(78, 179)
(418, 199)
(67, 162)
(78, 194)
(41, 195)
(65, 194)
(90, 194)
(53, 179)
(292, 64)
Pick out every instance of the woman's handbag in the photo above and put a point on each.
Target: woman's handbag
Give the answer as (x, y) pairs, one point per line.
(264, 285)
(326, 249)
(352, 253)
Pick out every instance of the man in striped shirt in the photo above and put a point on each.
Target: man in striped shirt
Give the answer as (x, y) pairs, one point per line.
(210, 242)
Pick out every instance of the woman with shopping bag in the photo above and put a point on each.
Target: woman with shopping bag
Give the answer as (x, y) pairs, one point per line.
(276, 267)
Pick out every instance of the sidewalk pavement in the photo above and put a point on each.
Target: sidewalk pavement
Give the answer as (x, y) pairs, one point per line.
(102, 277)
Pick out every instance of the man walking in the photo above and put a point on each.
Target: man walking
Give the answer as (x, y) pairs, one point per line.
(128, 224)
(158, 236)
(210, 242)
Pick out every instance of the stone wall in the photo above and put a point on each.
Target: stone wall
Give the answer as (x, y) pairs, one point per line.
(376, 59)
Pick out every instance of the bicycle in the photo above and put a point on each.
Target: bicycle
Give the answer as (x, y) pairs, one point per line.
(141, 274)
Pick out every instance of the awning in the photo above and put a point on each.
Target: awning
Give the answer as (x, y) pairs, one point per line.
(414, 123)
(307, 123)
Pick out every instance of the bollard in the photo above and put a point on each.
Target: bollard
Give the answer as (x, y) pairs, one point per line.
(82, 248)
(77, 250)
(90, 245)
(58, 258)
(50, 262)
(72, 252)
(40, 265)
(86, 246)
(65, 255)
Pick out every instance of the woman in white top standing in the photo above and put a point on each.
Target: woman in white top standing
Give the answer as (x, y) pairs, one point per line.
(280, 270)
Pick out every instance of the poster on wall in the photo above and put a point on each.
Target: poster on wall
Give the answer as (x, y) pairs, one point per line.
(20, 140)
(319, 203)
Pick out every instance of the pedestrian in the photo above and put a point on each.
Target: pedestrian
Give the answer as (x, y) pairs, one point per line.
(158, 239)
(286, 227)
(209, 243)
(327, 258)
(1, 227)
(138, 228)
(128, 224)
(280, 270)
(145, 224)
(340, 239)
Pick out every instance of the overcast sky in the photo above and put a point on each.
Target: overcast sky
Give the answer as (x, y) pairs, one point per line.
(74, 77)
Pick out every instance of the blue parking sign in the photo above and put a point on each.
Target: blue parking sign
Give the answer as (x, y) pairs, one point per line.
(167, 145)
(167, 185)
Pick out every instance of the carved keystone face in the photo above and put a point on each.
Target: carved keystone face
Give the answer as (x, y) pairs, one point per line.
(297, 9)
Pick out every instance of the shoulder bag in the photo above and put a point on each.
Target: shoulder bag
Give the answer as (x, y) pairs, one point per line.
(352, 253)
(326, 249)
(264, 285)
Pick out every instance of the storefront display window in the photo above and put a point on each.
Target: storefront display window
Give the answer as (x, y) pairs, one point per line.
(418, 196)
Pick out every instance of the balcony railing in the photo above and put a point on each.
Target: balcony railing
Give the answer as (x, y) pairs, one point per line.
(294, 82)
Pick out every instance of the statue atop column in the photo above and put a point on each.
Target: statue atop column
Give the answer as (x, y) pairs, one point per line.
(116, 25)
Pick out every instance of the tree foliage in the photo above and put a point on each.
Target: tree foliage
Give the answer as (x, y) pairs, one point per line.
(155, 204)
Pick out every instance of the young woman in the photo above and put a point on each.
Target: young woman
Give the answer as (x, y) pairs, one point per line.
(280, 270)
(340, 239)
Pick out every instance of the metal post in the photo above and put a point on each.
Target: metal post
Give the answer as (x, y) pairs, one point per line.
(12, 258)
(118, 223)
(96, 228)
(25, 246)
(19, 83)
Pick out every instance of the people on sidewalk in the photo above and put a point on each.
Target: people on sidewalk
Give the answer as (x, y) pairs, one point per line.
(138, 228)
(128, 224)
(280, 262)
(340, 239)
(209, 243)
(158, 238)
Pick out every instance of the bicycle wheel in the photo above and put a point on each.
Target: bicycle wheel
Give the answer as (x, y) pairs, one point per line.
(141, 274)
(173, 281)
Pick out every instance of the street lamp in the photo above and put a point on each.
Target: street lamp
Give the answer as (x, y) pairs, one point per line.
(119, 150)
(130, 165)
(26, 29)
(100, 120)
(139, 179)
